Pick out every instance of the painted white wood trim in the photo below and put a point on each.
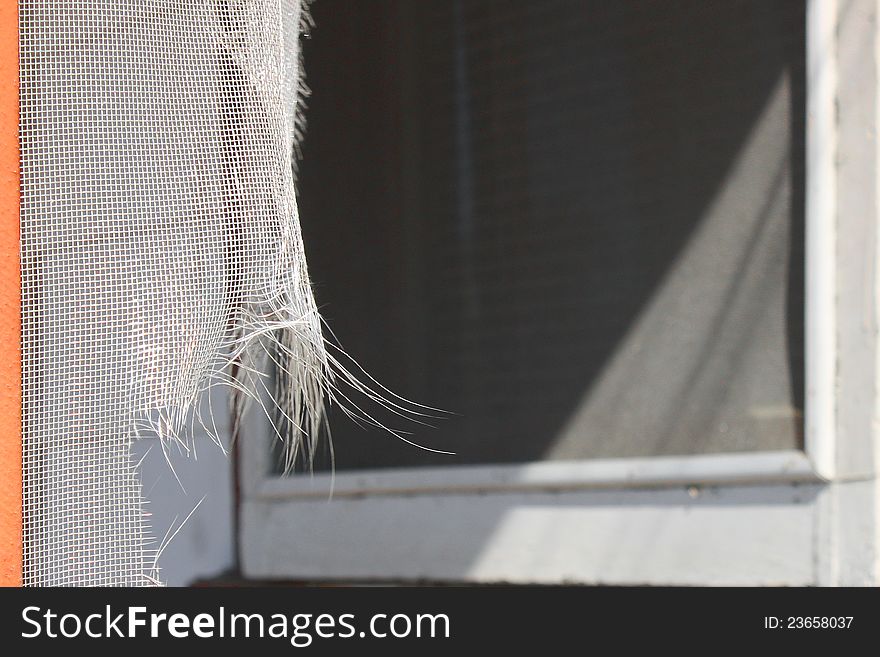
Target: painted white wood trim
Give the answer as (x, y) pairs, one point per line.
(875, 311)
(750, 535)
(758, 467)
(856, 234)
(821, 154)
(254, 456)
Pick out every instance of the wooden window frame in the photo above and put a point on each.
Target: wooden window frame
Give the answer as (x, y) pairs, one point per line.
(794, 517)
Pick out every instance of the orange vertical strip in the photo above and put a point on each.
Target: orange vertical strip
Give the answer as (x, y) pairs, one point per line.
(10, 303)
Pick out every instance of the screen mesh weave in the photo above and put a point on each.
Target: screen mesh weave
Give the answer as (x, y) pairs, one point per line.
(161, 254)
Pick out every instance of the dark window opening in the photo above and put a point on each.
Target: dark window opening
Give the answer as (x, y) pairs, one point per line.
(578, 225)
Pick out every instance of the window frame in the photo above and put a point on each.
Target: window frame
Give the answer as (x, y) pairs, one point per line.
(830, 487)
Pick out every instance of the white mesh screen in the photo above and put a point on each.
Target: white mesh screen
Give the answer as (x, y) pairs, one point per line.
(161, 253)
